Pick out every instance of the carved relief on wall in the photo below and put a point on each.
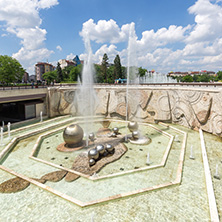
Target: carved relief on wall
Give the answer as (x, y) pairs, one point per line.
(103, 97)
(158, 107)
(117, 103)
(138, 101)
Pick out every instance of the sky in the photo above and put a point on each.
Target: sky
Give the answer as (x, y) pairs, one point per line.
(169, 35)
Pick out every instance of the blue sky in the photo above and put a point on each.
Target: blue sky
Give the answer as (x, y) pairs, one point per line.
(171, 35)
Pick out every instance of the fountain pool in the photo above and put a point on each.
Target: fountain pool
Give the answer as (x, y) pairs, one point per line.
(172, 188)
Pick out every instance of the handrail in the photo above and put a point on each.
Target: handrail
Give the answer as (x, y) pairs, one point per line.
(210, 84)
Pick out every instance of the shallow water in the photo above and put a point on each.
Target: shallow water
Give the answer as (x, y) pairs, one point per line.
(185, 202)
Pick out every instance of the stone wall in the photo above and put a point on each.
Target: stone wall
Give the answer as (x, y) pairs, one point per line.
(190, 107)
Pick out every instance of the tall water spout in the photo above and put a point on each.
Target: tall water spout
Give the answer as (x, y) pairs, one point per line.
(1, 132)
(41, 116)
(132, 69)
(9, 130)
(85, 96)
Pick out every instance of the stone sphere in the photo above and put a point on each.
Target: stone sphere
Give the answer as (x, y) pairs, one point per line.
(133, 126)
(91, 136)
(116, 130)
(92, 162)
(109, 148)
(93, 154)
(101, 149)
(73, 134)
(135, 135)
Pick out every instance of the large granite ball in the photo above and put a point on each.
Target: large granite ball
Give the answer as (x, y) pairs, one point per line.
(101, 149)
(73, 134)
(133, 126)
(93, 154)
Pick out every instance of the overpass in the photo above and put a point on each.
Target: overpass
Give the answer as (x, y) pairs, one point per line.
(21, 103)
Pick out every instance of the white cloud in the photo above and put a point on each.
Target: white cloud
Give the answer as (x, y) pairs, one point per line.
(192, 47)
(22, 19)
(59, 48)
(110, 51)
(105, 31)
(208, 18)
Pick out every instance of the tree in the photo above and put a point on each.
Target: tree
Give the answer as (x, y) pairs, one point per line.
(10, 70)
(117, 72)
(110, 75)
(104, 67)
(59, 73)
(98, 74)
(187, 78)
(75, 72)
(142, 72)
(50, 76)
(219, 75)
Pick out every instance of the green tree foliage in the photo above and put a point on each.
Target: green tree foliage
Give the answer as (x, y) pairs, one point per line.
(59, 73)
(110, 75)
(142, 72)
(219, 76)
(104, 67)
(98, 74)
(117, 72)
(187, 78)
(50, 76)
(10, 70)
(75, 72)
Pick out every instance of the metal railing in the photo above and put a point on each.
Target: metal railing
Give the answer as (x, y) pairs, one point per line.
(182, 84)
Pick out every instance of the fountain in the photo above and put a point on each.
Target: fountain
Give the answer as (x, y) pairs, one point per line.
(148, 159)
(41, 116)
(191, 153)
(216, 175)
(85, 97)
(3, 125)
(1, 132)
(99, 148)
(9, 130)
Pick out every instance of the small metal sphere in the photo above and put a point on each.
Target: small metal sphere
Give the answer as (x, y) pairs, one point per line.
(116, 130)
(113, 135)
(101, 149)
(109, 148)
(93, 154)
(92, 136)
(92, 162)
(73, 134)
(135, 135)
(133, 126)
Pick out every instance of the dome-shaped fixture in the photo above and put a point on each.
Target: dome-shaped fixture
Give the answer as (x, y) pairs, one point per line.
(92, 162)
(113, 135)
(92, 136)
(135, 135)
(116, 130)
(93, 154)
(109, 148)
(73, 134)
(101, 149)
(133, 126)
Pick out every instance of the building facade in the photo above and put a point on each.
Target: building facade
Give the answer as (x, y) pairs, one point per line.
(41, 68)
